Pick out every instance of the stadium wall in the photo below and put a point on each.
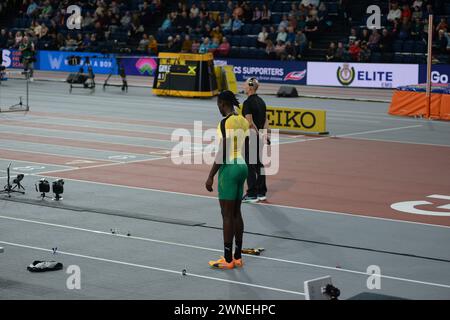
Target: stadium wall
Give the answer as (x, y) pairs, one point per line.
(336, 74)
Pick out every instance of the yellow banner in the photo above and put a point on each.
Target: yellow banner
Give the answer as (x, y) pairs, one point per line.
(310, 121)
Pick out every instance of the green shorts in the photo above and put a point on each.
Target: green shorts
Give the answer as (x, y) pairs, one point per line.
(231, 180)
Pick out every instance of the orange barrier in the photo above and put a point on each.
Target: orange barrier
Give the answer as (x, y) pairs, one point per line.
(409, 103)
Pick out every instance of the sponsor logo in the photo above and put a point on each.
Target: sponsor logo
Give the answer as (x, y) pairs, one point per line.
(146, 65)
(346, 75)
(295, 75)
(437, 77)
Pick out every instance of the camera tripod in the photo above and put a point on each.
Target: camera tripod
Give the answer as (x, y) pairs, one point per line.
(122, 74)
(8, 189)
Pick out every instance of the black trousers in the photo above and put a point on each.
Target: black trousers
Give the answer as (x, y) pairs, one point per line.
(256, 180)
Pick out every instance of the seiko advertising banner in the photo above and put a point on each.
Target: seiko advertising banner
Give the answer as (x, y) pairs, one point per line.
(289, 72)
(59, 61)
(374, 75)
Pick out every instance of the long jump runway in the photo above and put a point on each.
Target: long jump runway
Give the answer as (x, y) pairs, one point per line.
(376, 192)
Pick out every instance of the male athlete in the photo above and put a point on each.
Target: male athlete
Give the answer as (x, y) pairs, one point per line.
(232, 169)
(254, 110)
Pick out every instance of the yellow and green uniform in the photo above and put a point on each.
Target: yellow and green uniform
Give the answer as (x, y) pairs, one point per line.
(233, 171)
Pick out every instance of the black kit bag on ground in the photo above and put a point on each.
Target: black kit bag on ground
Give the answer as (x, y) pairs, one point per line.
(43, 266)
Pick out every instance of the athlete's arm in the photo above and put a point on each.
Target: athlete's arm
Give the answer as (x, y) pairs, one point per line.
(210, 181)
(249, 118)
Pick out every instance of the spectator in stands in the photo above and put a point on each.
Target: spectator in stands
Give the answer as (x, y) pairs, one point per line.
(187, 44)
(323, 15)
(167, 23)
(169, 45)
(226, 24)
(353, 35)
(417, 13)
(365, 35)
(386, 41)
(309, 3)
(205, 46)
(47, 10)
(447, 35)
(3, 39)
(70, 44)
(265, 14)
(152, 45)
(143, 44)
(442, 41)
(80, 42)
(11, 40)
(238, 12)
(355, 50)
(248, 13)
(284, 23)
(340, 52)
(270, 50)
(195, 46)
(302, 11)
(280, 49)
(428, 10)
(311, 29)
(88, 21)
(281, 35)
(32, 8)
(214, 45)
(262, 37)
(86, 41)
(405, 29)
(229, 8)
(19, 37)
(364, 55)
(406, 12)
(394, 13)
(301, 42)
(236, 27)
(211, 20)
(331, 52)
(442, 25)
(216, 33)
(301, 23)
(194, 10)
(374, 40)
(289, 53)
(417, 4)
(272, 34)
(257, 15)
(177, 43)
(290, 37)
(224, 48)
(417, 29)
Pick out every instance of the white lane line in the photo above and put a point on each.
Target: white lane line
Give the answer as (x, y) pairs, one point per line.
(40, 163)
(404, 142)
(439, 196)
(59, 155)
(154, 268)
(380, 130)
(217, 250)
(350, 215)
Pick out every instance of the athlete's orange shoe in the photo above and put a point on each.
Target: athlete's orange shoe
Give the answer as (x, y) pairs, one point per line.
(238, 262)
(221, 264)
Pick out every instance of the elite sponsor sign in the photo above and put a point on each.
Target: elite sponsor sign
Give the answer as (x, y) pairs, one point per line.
(374, 75)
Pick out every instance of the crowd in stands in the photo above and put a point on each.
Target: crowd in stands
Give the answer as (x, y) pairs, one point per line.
(406, 22)
(270, 29)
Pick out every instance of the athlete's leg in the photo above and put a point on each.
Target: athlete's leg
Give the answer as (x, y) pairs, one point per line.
(227, 209)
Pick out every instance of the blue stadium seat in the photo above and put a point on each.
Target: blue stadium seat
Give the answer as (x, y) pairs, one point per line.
(398, 58)
(235, 41)
(277, 6)
(276, 18)
(409, 59)
(252, 41)
(256, 29)
(375, 57)
(252, 53)
(261, 54)
(235, 52)
(420, 47)
(244, 52)
(397, 46)
(408, 46)
(246, 29)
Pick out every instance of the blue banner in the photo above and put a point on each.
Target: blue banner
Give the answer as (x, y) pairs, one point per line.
(289, 72)
(58, 61)
(440, 73)
(11, 58)
(139, 66)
